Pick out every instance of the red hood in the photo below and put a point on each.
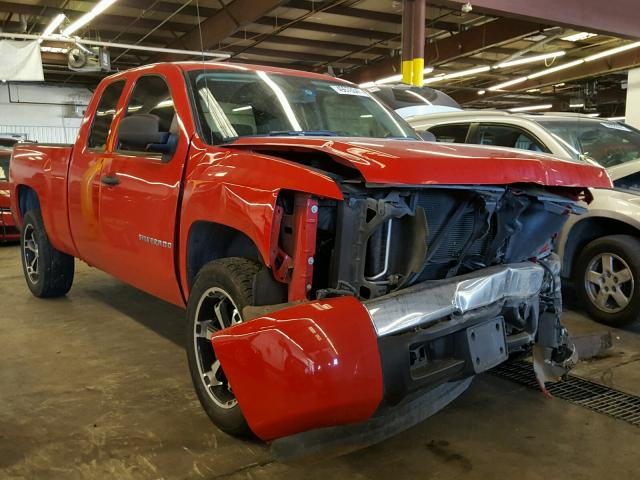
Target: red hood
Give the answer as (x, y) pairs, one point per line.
(422, 163)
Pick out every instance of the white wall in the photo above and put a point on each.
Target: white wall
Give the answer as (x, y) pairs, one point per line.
(45, 113)
(632, 113)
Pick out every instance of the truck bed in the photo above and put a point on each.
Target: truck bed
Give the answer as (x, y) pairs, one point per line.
(44, 168)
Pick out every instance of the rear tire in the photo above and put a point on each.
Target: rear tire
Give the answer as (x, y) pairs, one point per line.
(48, 272)
(607, 279)
(221, 290)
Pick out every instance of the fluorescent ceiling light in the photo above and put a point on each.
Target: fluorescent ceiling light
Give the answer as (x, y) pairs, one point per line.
(391, 79)
(100, 7)
(576, 37)
(532, 108)
(593, 114)
(241, 109)
(560, 84)
(547, 71)
(576, 105)
(437, 78)
(55, 23)
(535, 58)
(481, 92)
(464, 73)
(533, 90)
(461, 73)
(612, 51)
(500, 86)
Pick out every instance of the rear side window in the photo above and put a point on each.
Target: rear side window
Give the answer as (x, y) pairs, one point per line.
(104, 115)
(507, 136)
(151, 96)
(455, 133)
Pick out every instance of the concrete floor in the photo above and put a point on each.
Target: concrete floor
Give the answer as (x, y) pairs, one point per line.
(95, 385)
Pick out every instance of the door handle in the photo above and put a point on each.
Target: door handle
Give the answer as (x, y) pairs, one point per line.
(111, 180)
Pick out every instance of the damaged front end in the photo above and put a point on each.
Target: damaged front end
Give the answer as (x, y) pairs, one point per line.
(413, 292)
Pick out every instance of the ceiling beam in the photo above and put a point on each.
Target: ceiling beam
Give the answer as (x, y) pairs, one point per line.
(617, 18)
(324, 28)
(228, 20)
(371, 15)
(309, 58)
(168, 7)
(615, 63)
(474, 40)
(104, 31)
(315, 44)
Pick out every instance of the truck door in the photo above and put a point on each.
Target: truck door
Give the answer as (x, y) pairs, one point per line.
(139, 197)
(91, 150)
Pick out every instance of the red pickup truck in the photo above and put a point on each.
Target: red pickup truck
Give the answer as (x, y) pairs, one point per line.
(340, 275)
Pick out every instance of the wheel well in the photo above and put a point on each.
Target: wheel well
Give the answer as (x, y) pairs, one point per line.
(27, 199)
(587, 230)
(210, 241)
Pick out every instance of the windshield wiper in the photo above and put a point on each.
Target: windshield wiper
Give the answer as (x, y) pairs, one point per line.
(303, 133)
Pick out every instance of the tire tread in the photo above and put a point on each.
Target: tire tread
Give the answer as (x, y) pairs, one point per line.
(56, 268)
(240, 272)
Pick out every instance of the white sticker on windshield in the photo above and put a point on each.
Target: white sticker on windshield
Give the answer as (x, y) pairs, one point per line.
(615, 126)
(347, 90)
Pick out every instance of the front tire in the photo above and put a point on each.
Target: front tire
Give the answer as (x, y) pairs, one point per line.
(48, 272)
(221, 290)
(607, 279)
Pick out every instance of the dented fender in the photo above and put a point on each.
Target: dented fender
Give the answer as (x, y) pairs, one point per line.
(309, 366)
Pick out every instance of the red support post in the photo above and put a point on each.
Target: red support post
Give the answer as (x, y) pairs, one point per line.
(305, 227)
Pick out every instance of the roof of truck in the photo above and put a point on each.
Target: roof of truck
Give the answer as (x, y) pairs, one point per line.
(217, 65)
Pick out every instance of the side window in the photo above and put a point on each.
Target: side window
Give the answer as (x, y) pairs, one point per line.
(454, 133)
(151, 97)
(104, 115)
(507, 136)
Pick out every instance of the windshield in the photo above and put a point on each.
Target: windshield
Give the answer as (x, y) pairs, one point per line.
(233, 104)
(4, 167)
(8, 142)
(608, 143)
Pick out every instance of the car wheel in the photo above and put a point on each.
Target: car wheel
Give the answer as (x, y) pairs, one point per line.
(48, 272)
(221, 290)
(607, 278)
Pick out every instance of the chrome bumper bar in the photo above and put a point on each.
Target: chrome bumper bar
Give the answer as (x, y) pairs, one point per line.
(428, 302)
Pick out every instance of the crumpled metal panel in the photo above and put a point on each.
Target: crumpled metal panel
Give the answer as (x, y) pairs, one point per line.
(430, 301)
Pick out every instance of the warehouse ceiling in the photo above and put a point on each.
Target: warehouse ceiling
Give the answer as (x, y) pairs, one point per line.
(354, 39)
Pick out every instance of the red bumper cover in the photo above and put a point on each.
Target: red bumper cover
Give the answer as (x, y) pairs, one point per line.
(309, 366)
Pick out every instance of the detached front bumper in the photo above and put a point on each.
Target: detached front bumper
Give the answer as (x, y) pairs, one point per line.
(340, 361)
(8, 230)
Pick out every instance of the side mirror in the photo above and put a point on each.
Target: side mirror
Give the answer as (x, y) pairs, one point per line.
(143, 132)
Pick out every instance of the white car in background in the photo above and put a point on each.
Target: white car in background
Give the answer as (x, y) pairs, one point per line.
(601, 249)
(409, 101)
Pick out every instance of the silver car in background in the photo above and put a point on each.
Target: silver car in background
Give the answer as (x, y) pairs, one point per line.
(601, 249)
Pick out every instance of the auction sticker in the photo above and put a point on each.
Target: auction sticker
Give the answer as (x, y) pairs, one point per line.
(347, 90)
